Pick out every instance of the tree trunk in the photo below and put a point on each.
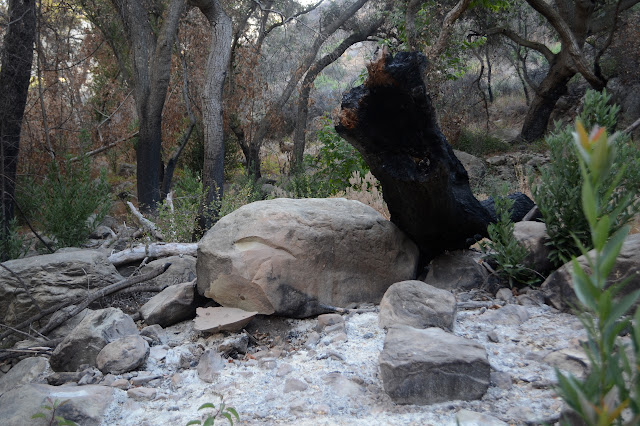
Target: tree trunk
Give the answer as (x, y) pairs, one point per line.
(545, 98)
(15, 74)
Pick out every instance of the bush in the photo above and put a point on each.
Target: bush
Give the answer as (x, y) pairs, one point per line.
(14, 245)
(479, 143)
(67, 204)
(558, 194)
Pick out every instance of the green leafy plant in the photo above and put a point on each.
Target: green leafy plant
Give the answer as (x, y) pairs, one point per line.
(222, 410)
(612, 386)
(52, 418)
(14, 245)
(558, 192)
(479, 143)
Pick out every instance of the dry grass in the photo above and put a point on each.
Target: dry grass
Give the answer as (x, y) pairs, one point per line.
(365, 189)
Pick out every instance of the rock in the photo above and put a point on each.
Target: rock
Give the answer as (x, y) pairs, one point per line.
(501, 379)
(343, 386)
(418, 305)
(294, 385)
(95, 331)
(476, 167)
(85, 405)
(101, 232)
(51, 279)
(283, 370)
(123, 355)
(457, 270)
(142, 394)
(533, 236)
(329, 320)
(61, 378)
(210, 365)
(522, 204)
(429, 366)
(182, 270)
(172, 305)
(569, 360)
(234, 345)
(558, 287)
(156, 333)
(65, 328)
(29, 370)
(220, 318)
(507, 315)
(295, 257)
(506, 295)
(471, 418)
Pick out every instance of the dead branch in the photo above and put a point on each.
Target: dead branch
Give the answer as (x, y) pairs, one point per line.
(632, 127)
(84, 302)
(105, 147)
(145, 223)
(156, 250)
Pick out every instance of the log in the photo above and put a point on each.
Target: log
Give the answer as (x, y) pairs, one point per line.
(390, 119)
(145, 223)
(155, 250)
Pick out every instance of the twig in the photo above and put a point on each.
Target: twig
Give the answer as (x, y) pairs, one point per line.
(104, 148)
(632, 127)
(15, 330)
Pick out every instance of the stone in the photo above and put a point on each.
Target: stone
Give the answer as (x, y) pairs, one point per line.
(569, 360)
(51, 279)
(123, 355)
(210, 365)
(64, 377)
(471, 418)
(294, 385)
(343, 386)
(476, 167)
(558, 287)
(29, 370)
(85, 405)
(501, 379)
(418, 305)
(66, 327)
(95, 331)
(533, 237)
(295, 258)
(507, 315)
(142, 393)
(156, 333)
(172, 305)
(283, 370)
(121, 384)
(234, 345)
(427, 366)
(457, 270)
(328, 320)
(505, 294)
(214, 320)
(182, 270)
(522, 204)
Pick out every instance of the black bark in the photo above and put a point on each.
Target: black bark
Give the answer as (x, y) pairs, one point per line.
(391, 121)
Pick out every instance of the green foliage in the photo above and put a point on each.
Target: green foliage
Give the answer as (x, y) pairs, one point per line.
(479, 143)
(14, 245)
(507, 252)
(612, 384)
(52, 418)
(245, 191)
(67, 204)
(222, 410)
(558, 193)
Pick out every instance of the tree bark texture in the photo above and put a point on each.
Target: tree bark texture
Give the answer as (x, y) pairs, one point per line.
(15, 74)
(391, 121)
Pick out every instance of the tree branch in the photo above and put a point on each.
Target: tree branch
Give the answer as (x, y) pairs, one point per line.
(447, 26)
(516, 38)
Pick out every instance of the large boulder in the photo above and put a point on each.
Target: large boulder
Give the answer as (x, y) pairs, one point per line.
(29, 370)
(558, 287)
(51, 279)
(95, 331)
(418, 305)
(173, 304)
(430, 366)
(296, 257)
(457, 270)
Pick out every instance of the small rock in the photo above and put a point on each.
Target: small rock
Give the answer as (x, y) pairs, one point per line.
(220, 318)
(505, 294)
(284, 370)
(172, 305)
(157, 334)
(312, 339)
(471, 418)
(335, 328)
(144, 379)
(344, 387)
(294, 385)
(234, 345)
(501, 379)
(210, 365)
(142, 394)
(493, 337)
(340, 337)
(60, 378)
(507, 315)
(326, 320)
(121, 384)
(123, 355)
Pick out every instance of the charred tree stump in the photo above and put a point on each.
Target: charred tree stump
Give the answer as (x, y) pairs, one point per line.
(390, 119)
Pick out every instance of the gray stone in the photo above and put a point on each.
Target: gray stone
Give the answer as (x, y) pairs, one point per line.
(51, 279)
(569, 360)
(172, 305)
(428, 366)
(501, 379)
(327, 320)
(156, 333)
(294, 257)
(507, 315)
(533, 237)
(29, 370)
(505, 294)
(417, 304)
(476, 167)
(95, 331)
(294, 385)
(457, 270)
(210, 366)
(221, 318)
(142, 394)
(123, 355)
(120, 384)
(66, 327)
(471, 418)
(559, 285)
(284, 370)
(234, 345)
(85, 405)
(182, 270)
(343, 386)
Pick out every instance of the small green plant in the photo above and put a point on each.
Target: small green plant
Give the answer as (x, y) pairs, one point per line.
(222, 410)
(14, 245)
(52, 418)
(558, 193)
(610, 393)
(479, 143)
(505, 250)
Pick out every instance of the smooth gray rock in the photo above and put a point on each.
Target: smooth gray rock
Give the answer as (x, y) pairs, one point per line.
(294, 257)
(457, 270)
(142, 393)
(429, 366)
(182, 270)
(51, 279)
(210, 365)
(418, 305)
(476, 167)
(95, 331)
(156, 333)
(471, 418)
(172, 305)
(558, 287)
(329, 320)
(86, 404)
(533, 236)
(294, 385)
(507, 315)
(123, 355)
(29, 370)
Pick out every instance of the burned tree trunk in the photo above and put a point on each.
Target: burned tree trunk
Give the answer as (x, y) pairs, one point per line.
(391, 121)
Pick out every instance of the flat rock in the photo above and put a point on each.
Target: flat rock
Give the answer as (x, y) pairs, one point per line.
(210, 365)
(172, 305)
(123, 355)
(222, 319)
(471, 418)
(418, 305)
(457, 270)
(294, 385)
(29, 370)
(427, 366)
(142, 393)
(296, 257)
(507, 315)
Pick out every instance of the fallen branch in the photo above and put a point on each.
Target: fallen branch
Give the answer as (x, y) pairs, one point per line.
(145, 223)
(84, 302)
(156, 250)
(105, 147)
(632, 127)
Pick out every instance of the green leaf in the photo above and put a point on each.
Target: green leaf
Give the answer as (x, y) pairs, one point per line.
(194, 422)
(589, 203)
(611, 251)
(39, 416)
(623, 305)
(234, 412)
(207, 405)
(209, 421)
(586, 292)
(228, 417)
(601, 232)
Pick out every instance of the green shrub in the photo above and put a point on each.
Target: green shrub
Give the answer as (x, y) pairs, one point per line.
(52, 418)
(222, 410)
(67, 204)
(558, 193)
(479, 143)
(14, 245)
